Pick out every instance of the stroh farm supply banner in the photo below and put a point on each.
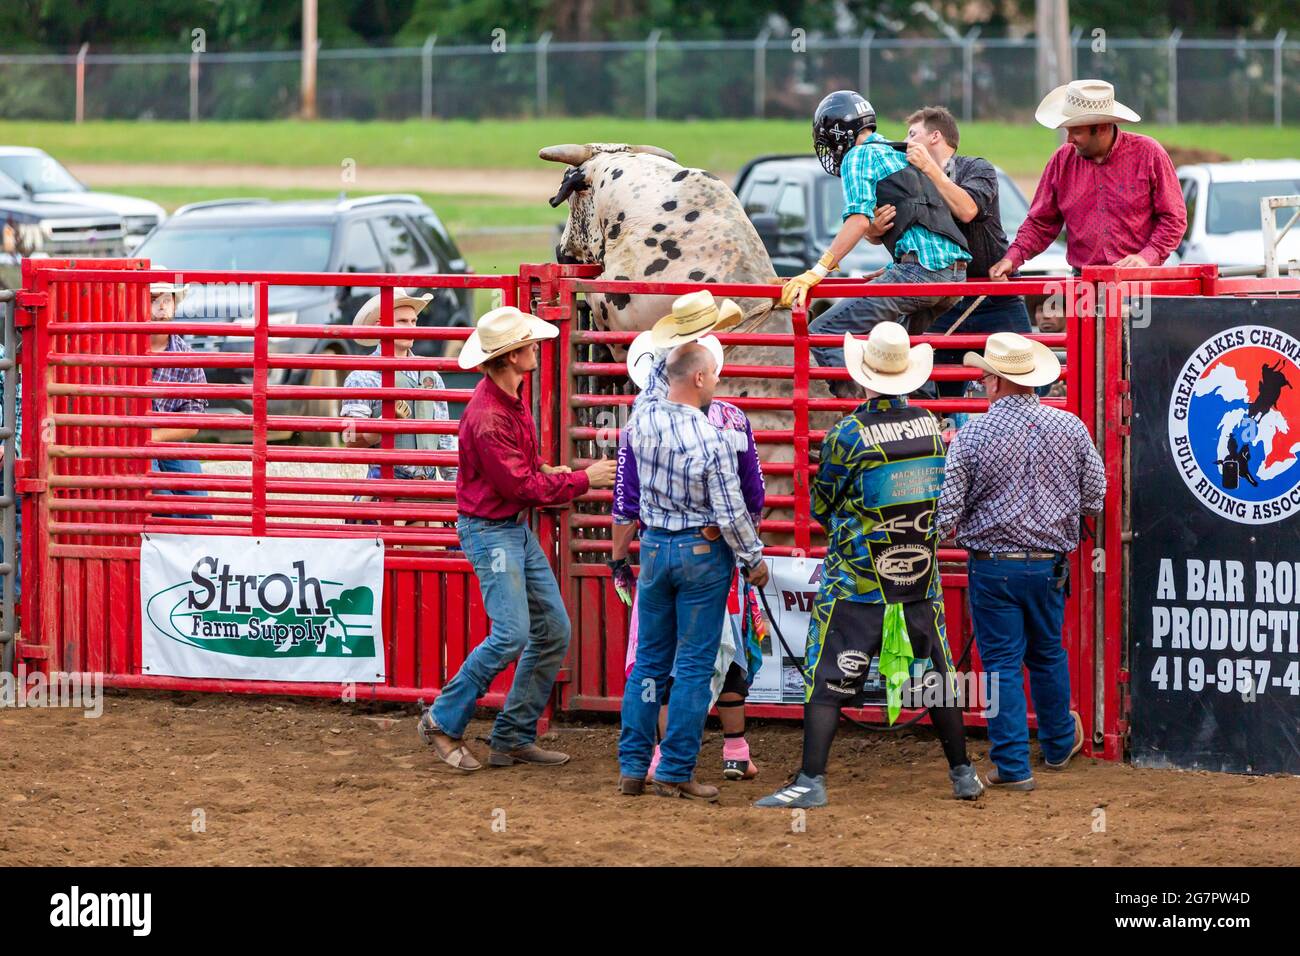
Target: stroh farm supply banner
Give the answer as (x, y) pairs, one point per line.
(1215, 596)
(285, 609)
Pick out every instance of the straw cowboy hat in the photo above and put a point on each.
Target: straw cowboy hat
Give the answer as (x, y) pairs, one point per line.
(694, 315)
(1017, 359)
(642, 353)
(503, 330)
(178, 292)
(368, 314)
(1083, 103)
(885, 362)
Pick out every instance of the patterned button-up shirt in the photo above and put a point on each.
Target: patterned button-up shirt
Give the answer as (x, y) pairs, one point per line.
(687, 476)
(18, 404)
(874, 493)
(1019, 477)
(862, 168)
(179, 376)
(374, 408)
(1128, 203)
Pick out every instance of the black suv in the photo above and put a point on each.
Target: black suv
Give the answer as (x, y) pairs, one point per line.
(56, 229)
(375, 234)
(796, 209)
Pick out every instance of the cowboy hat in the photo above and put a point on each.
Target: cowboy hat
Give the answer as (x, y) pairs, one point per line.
(1083, 103)
(694, 315)
(885, 362)
(368, 314)
(503, 330)
(178, 292)
(642, 354)
(1017, 359)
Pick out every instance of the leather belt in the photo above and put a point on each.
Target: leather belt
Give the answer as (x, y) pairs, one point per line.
(958, 265)
(1015, 555)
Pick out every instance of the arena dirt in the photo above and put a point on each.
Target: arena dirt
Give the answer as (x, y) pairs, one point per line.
(280, 781)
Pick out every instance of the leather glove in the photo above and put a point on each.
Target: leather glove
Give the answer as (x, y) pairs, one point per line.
(796, 289)
(623, 579)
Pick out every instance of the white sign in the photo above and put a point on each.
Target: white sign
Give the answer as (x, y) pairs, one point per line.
(285, 609)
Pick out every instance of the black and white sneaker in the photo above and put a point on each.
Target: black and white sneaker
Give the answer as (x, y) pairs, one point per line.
(804, 792)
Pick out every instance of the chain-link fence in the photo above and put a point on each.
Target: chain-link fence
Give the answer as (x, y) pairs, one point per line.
(1166, 80)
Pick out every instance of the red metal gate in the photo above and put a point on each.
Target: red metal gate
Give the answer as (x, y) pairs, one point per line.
(89, 493)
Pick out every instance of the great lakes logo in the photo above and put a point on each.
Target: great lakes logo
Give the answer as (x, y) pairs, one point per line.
(1234, 424)
(280, 614)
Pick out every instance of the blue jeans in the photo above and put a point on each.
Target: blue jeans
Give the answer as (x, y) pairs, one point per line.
(180, 466)
(681, 601)
(1017, 610)
(16, 552)
(529, 622)
(1000, 313)
(859, 316)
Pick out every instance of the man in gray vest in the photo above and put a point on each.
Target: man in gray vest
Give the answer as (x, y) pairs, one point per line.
(406, 312)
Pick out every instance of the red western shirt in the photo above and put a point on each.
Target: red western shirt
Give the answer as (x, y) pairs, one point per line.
(1129, 203)
(500, 471)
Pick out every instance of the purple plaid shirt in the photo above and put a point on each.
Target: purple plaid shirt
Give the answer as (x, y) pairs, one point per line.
(178, 376)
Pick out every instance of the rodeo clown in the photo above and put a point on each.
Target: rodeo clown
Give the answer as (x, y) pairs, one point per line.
(875, 493)
(888, 201)
(743, 629)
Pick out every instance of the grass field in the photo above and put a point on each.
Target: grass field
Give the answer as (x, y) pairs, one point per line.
(723, 145)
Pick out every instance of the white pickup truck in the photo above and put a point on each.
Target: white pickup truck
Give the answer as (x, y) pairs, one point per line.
(1223, 223)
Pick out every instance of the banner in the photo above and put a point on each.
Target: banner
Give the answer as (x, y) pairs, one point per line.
(285, 609)
(1214, 613)
(789, 597)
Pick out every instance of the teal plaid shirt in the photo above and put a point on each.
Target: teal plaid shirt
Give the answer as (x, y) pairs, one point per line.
(862, 168)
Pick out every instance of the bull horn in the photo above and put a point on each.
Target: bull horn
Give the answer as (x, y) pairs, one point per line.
(655, 151)
(571, 153)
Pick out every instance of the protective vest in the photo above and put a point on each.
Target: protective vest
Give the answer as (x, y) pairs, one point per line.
(917, 202)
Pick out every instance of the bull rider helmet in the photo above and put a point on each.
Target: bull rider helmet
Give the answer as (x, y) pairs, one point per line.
(840, 117)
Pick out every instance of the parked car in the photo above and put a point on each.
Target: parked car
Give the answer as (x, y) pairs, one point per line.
(44, 178)
(1223, 221)
(375, 234)
(54, 229)
(796, 209)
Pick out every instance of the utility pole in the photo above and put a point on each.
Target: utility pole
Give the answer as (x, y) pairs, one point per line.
(309, 59)
(1055, 60)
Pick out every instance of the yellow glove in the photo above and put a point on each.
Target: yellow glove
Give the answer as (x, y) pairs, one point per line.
(796, 289)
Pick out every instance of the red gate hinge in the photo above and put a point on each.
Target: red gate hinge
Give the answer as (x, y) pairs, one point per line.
(564, 676)
(1123, 676)
(33, 652)
(30, 486)
(30, 299)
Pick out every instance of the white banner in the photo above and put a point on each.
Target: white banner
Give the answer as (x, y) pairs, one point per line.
(789, 595)
(286, 609)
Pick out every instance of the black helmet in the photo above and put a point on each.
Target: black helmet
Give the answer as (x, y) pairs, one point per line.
(840, 117)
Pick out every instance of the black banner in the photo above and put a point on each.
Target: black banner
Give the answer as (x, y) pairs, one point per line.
(1215, 598)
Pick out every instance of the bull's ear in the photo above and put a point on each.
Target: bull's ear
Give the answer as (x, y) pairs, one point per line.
(572, 153)
(654, 151)
(573, 182)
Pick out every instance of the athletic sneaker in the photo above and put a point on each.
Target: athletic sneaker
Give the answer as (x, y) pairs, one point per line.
(804, 792)
(1075, 747)
(994, 779)
(965, 782)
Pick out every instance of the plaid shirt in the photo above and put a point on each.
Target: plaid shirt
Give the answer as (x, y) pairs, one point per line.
(1019, 477)
(179, 376)
(863, 167)
(687, 476)
(373, 408)
(18, 405)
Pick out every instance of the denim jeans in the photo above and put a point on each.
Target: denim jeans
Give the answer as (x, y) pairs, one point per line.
(859, 316)
(681, 600)
(15, 554)
(1000, 313)
(529, 622)
(180, 466)
(1017, 611)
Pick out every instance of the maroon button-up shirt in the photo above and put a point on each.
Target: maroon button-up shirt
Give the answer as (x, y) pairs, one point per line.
(1129, 203)
(500, 471)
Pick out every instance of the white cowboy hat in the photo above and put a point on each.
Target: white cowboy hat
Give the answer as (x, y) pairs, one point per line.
(885, 361)
(160, 288)
(1017, 359)
(694, 315)
(1083, 103)
(642, 354)
(503, 330)
(368, 314)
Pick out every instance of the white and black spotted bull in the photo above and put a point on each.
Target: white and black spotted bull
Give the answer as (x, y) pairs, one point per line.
(641, 216)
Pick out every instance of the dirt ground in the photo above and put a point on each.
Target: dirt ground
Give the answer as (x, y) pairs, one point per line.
(204, 779)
